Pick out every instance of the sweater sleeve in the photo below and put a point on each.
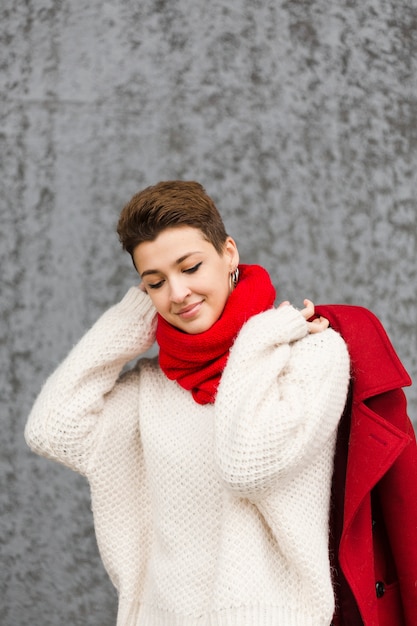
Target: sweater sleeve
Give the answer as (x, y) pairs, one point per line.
(65, 417)
(279, 400)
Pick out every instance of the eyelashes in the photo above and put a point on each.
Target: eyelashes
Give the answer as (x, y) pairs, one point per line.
(193, 269)
(190, 270)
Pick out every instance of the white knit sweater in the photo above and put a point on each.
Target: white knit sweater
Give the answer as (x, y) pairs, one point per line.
(204, 515)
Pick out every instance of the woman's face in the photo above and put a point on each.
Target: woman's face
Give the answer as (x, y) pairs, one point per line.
(186, 278)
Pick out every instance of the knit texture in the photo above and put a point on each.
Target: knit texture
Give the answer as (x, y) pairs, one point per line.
(211, 514)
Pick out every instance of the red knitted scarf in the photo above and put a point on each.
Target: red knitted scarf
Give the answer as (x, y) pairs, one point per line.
(196, 362)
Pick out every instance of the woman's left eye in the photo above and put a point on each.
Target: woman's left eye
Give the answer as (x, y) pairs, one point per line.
(193, 269)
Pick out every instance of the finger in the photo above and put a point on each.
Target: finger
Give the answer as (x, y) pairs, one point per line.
(308, 311)
(284, 303)
(318, 325)
(324, 322)
(309, 305)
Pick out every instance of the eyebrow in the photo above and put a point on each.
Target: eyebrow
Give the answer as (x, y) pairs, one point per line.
(177, 262)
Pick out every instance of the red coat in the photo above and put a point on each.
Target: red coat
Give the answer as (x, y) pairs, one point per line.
(374, 502)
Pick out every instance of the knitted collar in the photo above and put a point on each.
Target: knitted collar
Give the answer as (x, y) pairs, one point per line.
(196, 362)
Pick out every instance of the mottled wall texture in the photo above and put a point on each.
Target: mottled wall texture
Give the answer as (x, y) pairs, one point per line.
(300, 119)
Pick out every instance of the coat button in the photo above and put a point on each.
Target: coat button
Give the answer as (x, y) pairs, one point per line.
(380, 589)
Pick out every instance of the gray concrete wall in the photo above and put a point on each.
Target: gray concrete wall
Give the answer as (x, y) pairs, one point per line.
(299, 118)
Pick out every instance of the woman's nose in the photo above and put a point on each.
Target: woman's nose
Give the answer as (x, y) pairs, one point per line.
(178, 291)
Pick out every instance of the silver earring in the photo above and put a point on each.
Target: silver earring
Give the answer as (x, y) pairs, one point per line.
(234, 277)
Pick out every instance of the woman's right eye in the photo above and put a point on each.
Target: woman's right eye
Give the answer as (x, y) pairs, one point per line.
(156, 285)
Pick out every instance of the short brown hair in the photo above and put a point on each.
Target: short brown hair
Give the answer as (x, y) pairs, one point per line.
(170, 204)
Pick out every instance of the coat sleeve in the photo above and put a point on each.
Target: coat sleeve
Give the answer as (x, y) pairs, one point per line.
(279, 401)
(65, 418)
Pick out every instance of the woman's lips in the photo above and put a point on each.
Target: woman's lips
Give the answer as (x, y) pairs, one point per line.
(190, 310)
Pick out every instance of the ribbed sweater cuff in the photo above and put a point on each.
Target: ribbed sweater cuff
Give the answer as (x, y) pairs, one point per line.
(137, 301)
(271, 328)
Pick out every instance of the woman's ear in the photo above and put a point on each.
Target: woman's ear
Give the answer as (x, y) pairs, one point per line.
(231, 253)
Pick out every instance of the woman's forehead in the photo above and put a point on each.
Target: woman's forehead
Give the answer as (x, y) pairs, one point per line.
(171, 247)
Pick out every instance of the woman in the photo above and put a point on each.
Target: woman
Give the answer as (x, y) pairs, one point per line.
(209, 466)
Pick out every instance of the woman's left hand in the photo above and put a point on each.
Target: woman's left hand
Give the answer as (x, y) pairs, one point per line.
(317, 325)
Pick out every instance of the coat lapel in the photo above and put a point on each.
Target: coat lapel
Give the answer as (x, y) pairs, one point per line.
(377, 445)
